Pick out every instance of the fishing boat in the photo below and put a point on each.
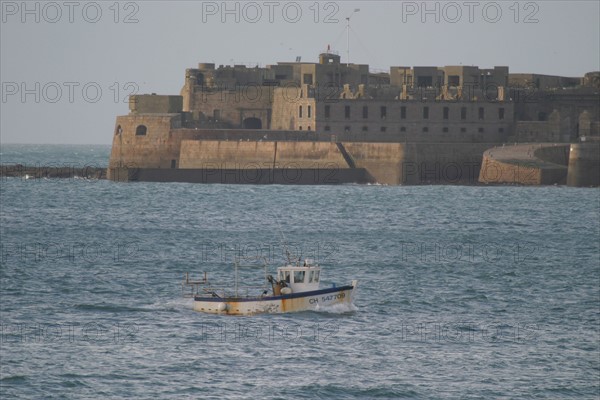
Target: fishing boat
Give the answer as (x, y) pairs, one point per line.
(295, 288)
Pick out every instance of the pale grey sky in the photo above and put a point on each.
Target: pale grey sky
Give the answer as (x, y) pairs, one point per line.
(67, 66)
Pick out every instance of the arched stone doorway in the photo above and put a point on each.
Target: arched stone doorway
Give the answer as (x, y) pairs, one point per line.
(252, 123)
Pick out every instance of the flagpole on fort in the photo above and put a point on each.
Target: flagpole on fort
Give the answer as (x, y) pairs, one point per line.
(348, 36)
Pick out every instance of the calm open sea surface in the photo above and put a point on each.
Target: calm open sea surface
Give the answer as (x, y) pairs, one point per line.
(464, 292)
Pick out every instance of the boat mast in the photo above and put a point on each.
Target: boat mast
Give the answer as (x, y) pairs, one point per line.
(237, 263)
(287, 251)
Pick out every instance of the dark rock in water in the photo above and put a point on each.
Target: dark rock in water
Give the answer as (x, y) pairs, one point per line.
(66, 172)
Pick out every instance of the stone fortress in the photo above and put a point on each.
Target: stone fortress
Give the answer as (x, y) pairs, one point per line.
(332, 122)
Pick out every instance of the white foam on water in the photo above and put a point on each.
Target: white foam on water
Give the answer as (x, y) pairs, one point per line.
(339, 308)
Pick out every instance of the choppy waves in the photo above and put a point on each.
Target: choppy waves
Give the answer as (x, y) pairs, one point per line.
(463, 291)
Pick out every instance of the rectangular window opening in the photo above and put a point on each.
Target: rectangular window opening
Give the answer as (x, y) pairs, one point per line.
(298, 276)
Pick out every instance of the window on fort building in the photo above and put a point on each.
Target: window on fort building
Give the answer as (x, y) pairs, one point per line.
(453, 80)
(308, 129)
(446, 112)
(173, 164)
(216, 115)
(141, 130)
(383, 129)
(365, 128)
(347, 129)
(501, 113)
(119, 130)
(445, 129)
(425, 129)
(327, 128)
(327, 111)
(481, 113)
(402, 112)
(425, 112)
(309, 111)
(463, 113)
(347, 112)
(425, 81)
(480, 130)
(402, 129)
(300, 112)
(383, 112)
(463, 130)
(365, 112)
(308, 79)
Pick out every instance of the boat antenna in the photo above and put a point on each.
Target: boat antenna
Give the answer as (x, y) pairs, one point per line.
(284, 242)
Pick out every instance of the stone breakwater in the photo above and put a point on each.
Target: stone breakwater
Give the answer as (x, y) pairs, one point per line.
(542, 164)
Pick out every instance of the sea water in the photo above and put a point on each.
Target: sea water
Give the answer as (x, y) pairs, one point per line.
(464, 291)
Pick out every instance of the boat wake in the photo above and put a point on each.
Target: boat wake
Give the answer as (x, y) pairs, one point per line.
(172, 305)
